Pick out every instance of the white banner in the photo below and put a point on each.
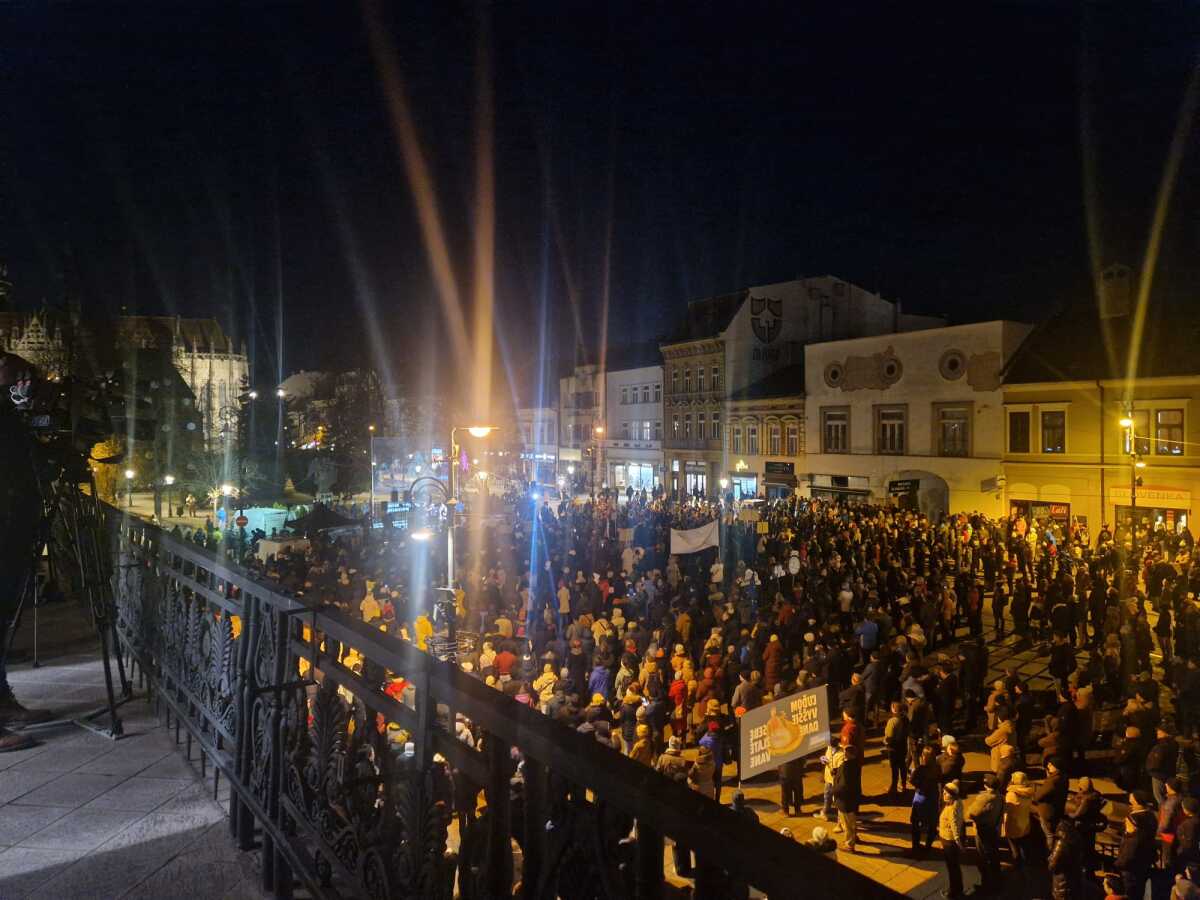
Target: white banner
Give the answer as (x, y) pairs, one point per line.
(695, 539)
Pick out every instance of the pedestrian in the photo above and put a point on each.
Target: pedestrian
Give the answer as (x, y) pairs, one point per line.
(926, 779)
(895, 742)
(986, 810)
(847, 794)
(951, 834)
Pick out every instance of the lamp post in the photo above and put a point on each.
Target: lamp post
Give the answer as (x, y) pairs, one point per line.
(129, 473)
(168, 480)
(476, 431)
(598, 436)
(1135, 462)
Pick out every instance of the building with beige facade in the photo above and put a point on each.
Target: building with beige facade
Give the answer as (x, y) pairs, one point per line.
(1067, 454)
(765, 436)
(913, 418)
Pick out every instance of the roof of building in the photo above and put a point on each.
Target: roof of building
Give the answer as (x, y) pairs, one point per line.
(1075, 344)
(785, 382)
(161, 330)
(708, 317)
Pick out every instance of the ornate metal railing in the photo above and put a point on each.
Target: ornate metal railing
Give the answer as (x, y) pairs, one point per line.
(266, 685)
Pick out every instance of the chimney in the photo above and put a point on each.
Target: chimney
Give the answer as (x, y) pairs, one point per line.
(1116, 291)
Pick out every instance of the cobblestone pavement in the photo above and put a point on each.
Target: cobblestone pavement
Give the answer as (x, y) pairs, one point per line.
(82, 816)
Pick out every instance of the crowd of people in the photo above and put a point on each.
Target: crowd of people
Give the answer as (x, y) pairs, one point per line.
(582, 612)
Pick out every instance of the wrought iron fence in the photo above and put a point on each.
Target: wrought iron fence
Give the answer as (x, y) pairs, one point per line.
(287, 701)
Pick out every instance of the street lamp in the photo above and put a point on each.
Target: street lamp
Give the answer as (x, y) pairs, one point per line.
(129, 473)
(1136, 462)
(168, 480)
(253, 395)
(280, 393)
(724, 482)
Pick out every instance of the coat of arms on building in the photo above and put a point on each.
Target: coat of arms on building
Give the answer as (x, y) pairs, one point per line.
(766, 318)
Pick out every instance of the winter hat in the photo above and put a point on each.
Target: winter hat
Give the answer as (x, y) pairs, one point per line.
(713, 726)
(819, 834)
(947, 740)
(597, 699)
(1018, 778)
(952, 788)
(643, 731)
(675, 743)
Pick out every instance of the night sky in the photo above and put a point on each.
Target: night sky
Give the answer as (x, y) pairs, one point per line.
(200, 159)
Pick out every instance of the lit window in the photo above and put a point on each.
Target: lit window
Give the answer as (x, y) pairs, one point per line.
(835, 430)
(735, 439)
(793, 439)
(1168, 432)
(1141, 433)
(890, 422)
(646, 430)
(954, 431)
(687, 426)
(675, 426)
(752, 440)
(774, 436)
(1054, 431)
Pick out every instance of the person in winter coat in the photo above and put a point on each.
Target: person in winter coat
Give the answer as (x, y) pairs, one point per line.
(1018, 816)
(1050, 800)
(1129, 760)
(671, 763)
(643, 748)
(627, 716)
(712, 740)
(1065, 862)
(952, 834)
(700, 776)
(1004, 733)
(926, 781)
(1086, 807)
(791, 786)
(986, 810)
(677, 701)
(600, 681)
(772, 660)
(1139, 850)
(1161, 763)
(847, 795)
(1185, 849)
(895, 742)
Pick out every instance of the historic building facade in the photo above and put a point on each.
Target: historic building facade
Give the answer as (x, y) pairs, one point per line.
(632, 444)
(914, 418)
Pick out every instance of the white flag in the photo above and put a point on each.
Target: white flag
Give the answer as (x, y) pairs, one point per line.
(695, 539)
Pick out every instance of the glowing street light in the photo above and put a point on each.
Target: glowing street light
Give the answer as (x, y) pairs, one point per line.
(1140, 464)
(129, 473)
(570, 470)
(280, 393)
(226, 490)
(253, 395)
(480, 431)
(481, 475)
(1126, 422)
(724, 482)
(422, 534)
(370, 428)
(599, 429)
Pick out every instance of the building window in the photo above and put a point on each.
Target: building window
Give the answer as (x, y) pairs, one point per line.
(715, 432)
(890, 428)
(752, 440)
(675, 426)
(624, 431)
(658, 431)
(687, 381)
(674, 381)
(774, 435)
(793, 439)
(735, 439)
(700, 378)
(701, 425)
(646, 430)
(1054, 431)
(645, 393)
(1141, 433)
(687, 426)
(624, 396)
(1018, 431)
(953, 430)
(658, 393)
(835, 430)
(716, 378)
(1168, 432)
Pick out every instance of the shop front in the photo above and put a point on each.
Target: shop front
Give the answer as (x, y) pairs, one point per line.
(844, 488)
(780, 479)
(1154, 506)
(1040, 510)
(641, 476)
(539, 467)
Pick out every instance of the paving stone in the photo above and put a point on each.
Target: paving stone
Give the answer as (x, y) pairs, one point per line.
(82, 829)
(22, 869)
(66, 758)
(129, 760)
(98, 876)
(17, 784)
(140, 794)
(174, 766)
(72, 789)
(16, 757)
(18, 822)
